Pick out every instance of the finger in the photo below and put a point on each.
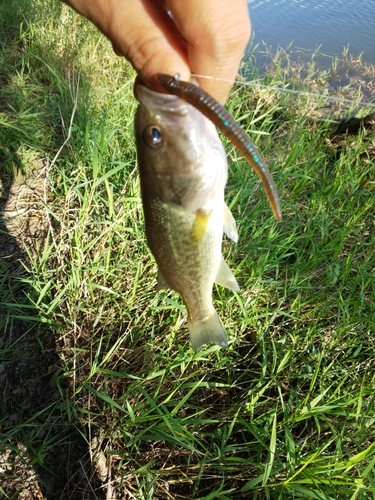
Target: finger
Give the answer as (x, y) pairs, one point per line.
(217, 32)
(151, 41)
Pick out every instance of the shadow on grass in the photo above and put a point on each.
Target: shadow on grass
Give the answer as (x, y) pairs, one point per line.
(42, 454)
(38, 440)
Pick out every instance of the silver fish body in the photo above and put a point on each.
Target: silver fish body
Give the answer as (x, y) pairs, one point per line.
(183, 173)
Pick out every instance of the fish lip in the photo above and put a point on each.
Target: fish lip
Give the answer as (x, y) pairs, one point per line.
(161, 103)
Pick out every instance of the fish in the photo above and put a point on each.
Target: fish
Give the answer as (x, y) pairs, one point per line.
(183, 172)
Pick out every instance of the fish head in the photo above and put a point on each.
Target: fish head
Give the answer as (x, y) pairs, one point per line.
(180, 155)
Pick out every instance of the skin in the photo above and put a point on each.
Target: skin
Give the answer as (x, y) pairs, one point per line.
(207, 37)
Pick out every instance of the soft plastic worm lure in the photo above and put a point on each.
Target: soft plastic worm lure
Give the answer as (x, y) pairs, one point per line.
(215, 112)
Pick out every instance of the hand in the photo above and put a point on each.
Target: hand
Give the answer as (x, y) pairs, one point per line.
(205, 37)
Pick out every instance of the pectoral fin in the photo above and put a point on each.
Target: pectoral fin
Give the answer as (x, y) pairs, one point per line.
(225, 277)
(199, 227)
(162, 284)
(230, 228)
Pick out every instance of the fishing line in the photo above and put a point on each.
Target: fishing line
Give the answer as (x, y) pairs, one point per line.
(290, 91)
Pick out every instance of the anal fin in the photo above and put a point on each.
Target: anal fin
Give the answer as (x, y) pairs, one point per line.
(225, 277)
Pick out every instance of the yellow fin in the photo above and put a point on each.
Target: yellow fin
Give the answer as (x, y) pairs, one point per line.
(199, 227)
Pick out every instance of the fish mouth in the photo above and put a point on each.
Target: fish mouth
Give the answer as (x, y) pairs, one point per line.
(164, 104)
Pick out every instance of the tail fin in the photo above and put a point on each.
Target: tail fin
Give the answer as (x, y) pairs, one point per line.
(208, 330)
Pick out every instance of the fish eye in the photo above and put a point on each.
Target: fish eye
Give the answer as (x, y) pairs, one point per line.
(152, 136)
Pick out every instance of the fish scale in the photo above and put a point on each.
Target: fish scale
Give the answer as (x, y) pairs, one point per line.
(187, 267)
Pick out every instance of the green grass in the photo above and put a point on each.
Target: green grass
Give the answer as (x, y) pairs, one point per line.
(288, 411)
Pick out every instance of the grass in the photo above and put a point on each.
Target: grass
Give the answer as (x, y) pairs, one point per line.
(118, 395)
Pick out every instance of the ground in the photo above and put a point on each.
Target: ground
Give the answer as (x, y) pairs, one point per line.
(27, 379)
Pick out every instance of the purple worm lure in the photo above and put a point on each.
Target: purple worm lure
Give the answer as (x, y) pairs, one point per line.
(224, 121)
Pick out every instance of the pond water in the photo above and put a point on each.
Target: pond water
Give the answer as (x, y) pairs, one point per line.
(308, 24)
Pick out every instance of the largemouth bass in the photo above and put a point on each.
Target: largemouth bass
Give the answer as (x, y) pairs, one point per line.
(183, 172)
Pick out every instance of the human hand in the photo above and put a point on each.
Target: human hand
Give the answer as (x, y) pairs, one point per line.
(206, 37)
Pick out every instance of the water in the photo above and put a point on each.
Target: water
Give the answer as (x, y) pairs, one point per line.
(331, 24)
